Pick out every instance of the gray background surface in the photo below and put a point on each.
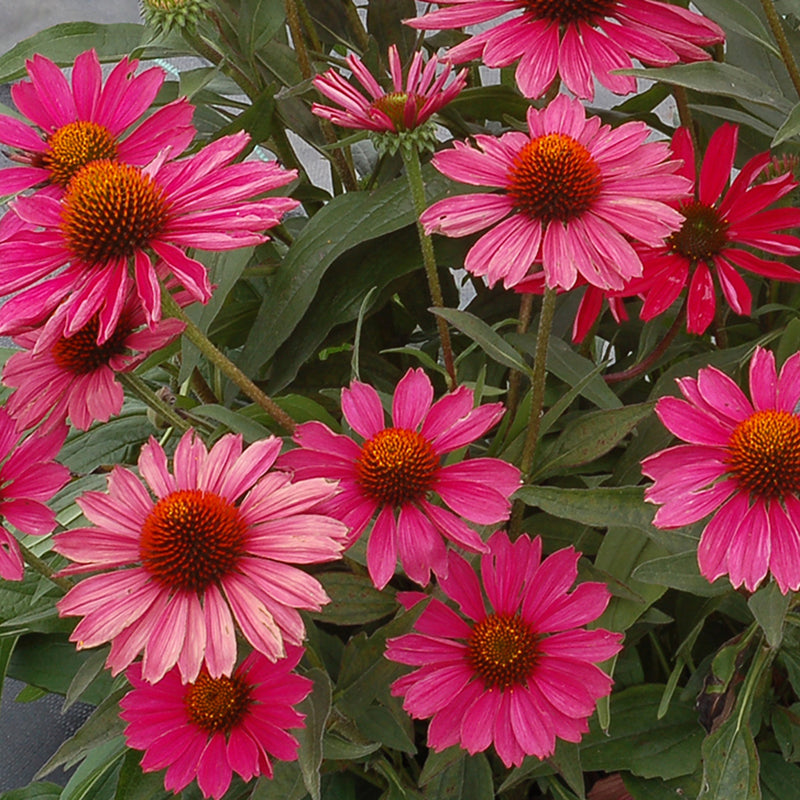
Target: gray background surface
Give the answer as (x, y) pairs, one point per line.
(30, 733)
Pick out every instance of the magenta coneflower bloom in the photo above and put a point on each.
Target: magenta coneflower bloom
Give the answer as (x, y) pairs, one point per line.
(716, 229)
(742, 462)
(216, 547)
(212, 727)
(395, 471)
(575, 39)
(87, 121)
(573, 192)
(28, 479)
(73, 377)
(522, 672)
(406, 107)
(119, 226)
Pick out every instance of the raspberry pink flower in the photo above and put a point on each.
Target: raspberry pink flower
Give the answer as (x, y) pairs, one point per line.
(741, 462)
(522, 672)
(87, 121)
(28, 479)
(395, 471)
(715, 226)
(118, 227)
(409, 104)
(212, 727)
(74, 377)
(573, 192)
(216, 546)
(575, 40)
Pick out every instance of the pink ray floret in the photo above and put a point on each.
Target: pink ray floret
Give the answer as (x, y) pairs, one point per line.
(574, 41)
(74, 378)
(573, 194)
(719, 229)
(28, 479)
(88, 118)
(518, 674)
(409, 104)
(741, 464)
(214, 551)
(119, 227)
(209, 729)
(396, 471)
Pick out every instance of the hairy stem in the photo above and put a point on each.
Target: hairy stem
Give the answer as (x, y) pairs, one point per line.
(43, 568)
(138, 387)
(225, 365)
(776, 26)
(417, 187)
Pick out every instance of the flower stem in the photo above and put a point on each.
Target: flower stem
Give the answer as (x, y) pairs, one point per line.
(357, 27)
(44, 569)
(648, 361)
(225, 365)
(538, 380)
(139, 388)
(783, 43)
(515, 378)
(417, 187)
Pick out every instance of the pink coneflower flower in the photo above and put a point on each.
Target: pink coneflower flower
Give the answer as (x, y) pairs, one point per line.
(28, 479)
(215, 547)
(575, 39)
(395, 471)
(212, 727)
(573, 192)
(116, 219)
(715, 226)
(88, 120)
(405, 108)
(742, 462)
(519, 674)
(74, 377)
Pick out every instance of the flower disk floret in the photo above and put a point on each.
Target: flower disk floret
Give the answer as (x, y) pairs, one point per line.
(215, 551)
(391, 116)
(573, 194)
(520, 673)
(575, 40)
(119, 228)
(740, 463)
(212, 727)
(395, 471)
(87, 120)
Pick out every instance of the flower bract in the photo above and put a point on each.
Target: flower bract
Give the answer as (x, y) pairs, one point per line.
(573, 193)
(740, 463)
(215, 550)
(212, 727)
(395, 471)
(518, 673)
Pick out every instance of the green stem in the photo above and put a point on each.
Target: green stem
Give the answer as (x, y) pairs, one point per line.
(776, 26)
(205, 49)
(351, 12)
(417, 187)
(538, 380)
(139, 388)
(685, 117)
(43, 568)
(515, 378)
(225, 365)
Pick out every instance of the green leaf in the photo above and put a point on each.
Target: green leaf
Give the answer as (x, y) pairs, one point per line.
(336, 748)
(567, 761)
(34, 791)
(234, 421)
(568, 366)
(686, 786)
(346, 221)
(259, 21)
(779, 780)
(735, 16)
(790, 127)
(715, 78)
(285, 784)
(769, 607)
(490, 341)
(379, 724)
(85, 675)
(354, 600)
(680, 571)
(468, 778)
(593, 435)
(103, 727)
(62, 42)
(133, 784)
(109, 443)
(730, 763)
(602, 507)
(92, 779)
(317, 708)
